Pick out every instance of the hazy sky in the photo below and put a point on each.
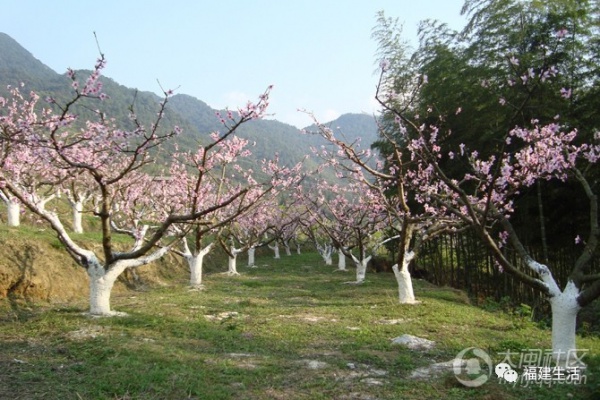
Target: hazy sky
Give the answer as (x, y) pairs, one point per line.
(318, 54)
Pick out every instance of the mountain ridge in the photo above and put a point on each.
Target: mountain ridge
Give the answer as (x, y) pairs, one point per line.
(196, 118)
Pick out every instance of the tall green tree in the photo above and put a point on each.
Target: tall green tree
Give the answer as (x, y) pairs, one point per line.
(513, 62)
(486, 113)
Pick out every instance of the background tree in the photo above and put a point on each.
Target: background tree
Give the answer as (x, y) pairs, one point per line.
(350, 215)
(406, 222)
(514, 61)
(480, 187)
(204, 178)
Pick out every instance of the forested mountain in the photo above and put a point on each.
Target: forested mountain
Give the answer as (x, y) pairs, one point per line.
(195, 117)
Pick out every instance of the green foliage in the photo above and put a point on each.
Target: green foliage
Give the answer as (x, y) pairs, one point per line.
(500, 58)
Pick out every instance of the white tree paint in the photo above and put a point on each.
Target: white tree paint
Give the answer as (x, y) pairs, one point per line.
(564, 307)
(564, 317)
(77, 200)
(361, 267)
(341, 260)
(14, 213)
(326, 252)
(286, 245)
(13, 209)
(275, 249)
(102, 279)
(406, 294)
(195, 262)
(252, 257)
(77, 208)
(232, 262)
(101, 284)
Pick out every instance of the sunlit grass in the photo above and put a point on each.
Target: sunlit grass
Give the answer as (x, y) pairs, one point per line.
(254, 337)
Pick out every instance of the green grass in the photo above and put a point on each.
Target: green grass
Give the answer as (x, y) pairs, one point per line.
(254, 337)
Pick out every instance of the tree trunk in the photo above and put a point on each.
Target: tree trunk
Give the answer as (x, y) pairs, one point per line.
(14, 213)
(275, 249)
(564, 316)
(542, 222)
(406, 294)
(361, 268)
(251, 257)
(325, 251)
(288, 250)
(77, 217)
(341, 261)
(232, 264)
(101, 283)
(195, 264)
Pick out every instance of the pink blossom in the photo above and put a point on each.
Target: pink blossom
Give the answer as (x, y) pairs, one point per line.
(561, 33)
(384, 64)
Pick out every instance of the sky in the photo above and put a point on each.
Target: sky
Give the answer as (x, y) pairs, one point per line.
(318, 54)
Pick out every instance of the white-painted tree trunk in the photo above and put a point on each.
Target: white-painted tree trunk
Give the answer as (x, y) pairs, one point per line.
(232, 262)
(195, 262)
(361, 268)
(275, 249)
(251, 257)
(13, 213)
(406, 294)
(564, 307)
(326, 253)
(288, 250)
(564, 316)
(232, 265)
(77, 216)
(101, 284)
(341, 261)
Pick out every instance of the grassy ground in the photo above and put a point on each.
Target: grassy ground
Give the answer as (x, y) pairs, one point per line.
(289, 329)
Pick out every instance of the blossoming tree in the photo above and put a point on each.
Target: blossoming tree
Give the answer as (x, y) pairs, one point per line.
(45, 146)
(353, 219)
(386, 183)
(483, 198)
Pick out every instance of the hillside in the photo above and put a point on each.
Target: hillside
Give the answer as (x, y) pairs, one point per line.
(196, 118)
